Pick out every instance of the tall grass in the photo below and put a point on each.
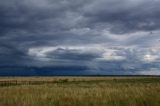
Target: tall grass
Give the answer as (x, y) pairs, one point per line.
(84, 92)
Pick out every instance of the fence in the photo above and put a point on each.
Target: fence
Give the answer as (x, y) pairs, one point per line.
(15, 82)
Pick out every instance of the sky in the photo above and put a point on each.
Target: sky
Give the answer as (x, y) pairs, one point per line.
(96, 37)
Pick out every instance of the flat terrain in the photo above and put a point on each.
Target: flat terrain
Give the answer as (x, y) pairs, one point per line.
(79, 91)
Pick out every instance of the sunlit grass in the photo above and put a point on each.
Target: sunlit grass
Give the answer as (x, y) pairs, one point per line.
(83, 91)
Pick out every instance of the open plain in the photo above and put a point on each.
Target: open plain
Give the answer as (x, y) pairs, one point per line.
(80, 91)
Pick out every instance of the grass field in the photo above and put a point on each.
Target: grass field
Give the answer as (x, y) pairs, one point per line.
(79, 91)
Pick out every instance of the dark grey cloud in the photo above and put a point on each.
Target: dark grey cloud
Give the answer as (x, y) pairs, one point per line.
(99, 35)
(126, 15)
(76, 55)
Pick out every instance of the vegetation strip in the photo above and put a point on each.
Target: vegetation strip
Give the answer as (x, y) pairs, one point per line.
(66, 81)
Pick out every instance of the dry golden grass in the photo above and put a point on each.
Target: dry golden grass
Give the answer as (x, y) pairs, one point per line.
(57, 78)
(82, 91)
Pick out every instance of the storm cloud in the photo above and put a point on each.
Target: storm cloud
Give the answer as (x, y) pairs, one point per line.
(95, 36)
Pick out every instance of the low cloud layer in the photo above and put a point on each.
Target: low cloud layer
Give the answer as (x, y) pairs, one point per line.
(103, 36)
